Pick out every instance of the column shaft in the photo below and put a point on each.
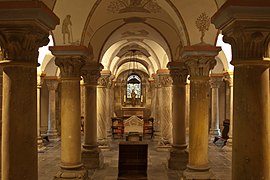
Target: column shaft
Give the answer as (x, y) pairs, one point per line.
(90, 123)
(20, 38)
(215, 116)
(251, 152)
(19, 123)
(250, 57)
(70, 68)
(70, 113)
(199, 59)
(178, 154)
(91, 154)
(52, 85)
(198, 125)
(165, 108)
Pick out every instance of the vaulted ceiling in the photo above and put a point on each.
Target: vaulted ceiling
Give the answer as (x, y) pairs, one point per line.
(155, 30)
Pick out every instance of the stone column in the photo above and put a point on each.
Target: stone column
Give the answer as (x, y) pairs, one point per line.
(178, 154)
(91, 154)
(39, 138)
(165, 102)
(229, 106)
(199, 59)
(215, 83)
(247, 29)
(52, 84)
(102, 109)
(109, 107)
(24, 27)
(70, 60)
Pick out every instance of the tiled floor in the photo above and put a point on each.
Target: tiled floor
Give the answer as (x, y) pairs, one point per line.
(219, 160)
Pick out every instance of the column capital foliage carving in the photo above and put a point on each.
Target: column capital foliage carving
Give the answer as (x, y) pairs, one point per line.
(178, 72)
(70, 66)
(91, 77)
(91, 73)
(164, 80)
(247, 43)
(52, 84)
(215, 82)
(24, 27)
(248, 33)
(21, 44)
(105, 81)
(199, 66)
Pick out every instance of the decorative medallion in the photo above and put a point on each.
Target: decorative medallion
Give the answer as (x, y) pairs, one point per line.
(123, 6)
(203, 23)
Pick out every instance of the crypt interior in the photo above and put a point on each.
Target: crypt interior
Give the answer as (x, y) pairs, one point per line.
(135, 89)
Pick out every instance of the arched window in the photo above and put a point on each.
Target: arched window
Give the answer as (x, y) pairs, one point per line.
(134, 82)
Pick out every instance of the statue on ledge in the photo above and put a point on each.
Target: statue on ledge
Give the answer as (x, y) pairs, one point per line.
(133, 98)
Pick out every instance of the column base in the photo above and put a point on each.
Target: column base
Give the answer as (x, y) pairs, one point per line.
(229, 142)
(178, 158)
(103, 144)
(40, 145)
(215, 132)
(53, 135)
(80, 174)
(164, 145)
(92, 158)
(192, 173)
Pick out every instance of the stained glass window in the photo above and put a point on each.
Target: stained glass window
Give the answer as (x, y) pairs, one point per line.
(134, 82)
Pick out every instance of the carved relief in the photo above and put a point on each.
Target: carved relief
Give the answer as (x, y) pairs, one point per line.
(22, 44)
(135, 33)
(248, 44)
(215, 82)
(165, 80)
(70, 66)
(203, 23)
(123, 6)
(105, 81)
(91, 77)
(179, 76)
(199, 65)
(67, 29)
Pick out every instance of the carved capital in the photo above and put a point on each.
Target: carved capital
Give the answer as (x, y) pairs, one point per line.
(24, 27)
(40, 79)
(199, 66)
(22, 44)
(70, 59)
(91, 73)
(247, 43)
(70, 66)
(215, 82)
(104, 81)
(248, 33)
(178, 72)
(165, 80)
(228, 79)
(52, 84)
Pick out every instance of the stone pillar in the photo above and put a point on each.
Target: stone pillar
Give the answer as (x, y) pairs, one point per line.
(215, 83)
(247, 29)
(91, 154)
(102, 109)
(39, 138)
(24, 27)
(70, 60)
(178, 154)
(52, 84)
(109, 114)
(199, 59)
(165, 102)
(229, 106)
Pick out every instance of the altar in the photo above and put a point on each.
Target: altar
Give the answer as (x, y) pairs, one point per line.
(133, 111)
